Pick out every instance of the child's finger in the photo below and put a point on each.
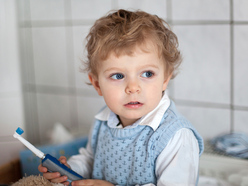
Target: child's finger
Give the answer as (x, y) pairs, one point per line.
(51, 175)
(80, 182)
(66, 183)
(86, 182)
(91, 182)
(63, 160)
(42, 169)
(59, 179)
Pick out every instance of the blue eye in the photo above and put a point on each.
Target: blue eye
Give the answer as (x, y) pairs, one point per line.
(117, 76)
(147, 74)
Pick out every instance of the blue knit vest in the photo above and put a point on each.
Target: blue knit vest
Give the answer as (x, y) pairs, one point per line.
(128, 156)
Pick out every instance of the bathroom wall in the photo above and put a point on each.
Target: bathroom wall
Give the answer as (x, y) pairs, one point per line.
(11, 99)
(210, 90)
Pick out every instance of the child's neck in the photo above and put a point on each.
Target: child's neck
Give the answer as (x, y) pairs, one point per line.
(126, 122)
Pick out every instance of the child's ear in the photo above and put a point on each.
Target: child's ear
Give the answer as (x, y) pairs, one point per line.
(94, 81)
(166, 82)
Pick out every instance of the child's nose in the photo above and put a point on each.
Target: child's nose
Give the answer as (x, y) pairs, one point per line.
(132, 87)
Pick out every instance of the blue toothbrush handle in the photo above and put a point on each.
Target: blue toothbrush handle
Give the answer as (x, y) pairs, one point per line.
(54, 165)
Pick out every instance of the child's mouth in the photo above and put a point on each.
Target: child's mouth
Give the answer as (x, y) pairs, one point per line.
(133, 104)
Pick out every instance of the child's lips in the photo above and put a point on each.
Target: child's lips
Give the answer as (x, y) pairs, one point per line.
(134, 104)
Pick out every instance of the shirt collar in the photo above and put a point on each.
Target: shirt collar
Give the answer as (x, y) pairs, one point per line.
(151, 119)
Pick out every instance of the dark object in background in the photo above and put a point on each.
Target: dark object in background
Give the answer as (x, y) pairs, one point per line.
(10, 172)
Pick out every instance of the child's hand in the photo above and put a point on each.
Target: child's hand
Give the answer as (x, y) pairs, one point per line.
(91, 182)
(55, 177)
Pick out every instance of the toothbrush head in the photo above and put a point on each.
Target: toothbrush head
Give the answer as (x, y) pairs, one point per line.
(19, 131)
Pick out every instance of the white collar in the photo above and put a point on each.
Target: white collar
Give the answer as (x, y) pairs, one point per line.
(151, 119)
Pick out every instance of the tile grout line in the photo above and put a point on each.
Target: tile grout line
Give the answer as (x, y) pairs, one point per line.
(28, 73)
(231, 68)
(70, 65)
(81, 22)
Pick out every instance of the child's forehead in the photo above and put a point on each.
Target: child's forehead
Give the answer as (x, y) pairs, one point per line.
(145, 47)
(139, 48)
(138, 57)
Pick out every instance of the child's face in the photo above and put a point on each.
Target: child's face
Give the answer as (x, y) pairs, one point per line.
(131, 85)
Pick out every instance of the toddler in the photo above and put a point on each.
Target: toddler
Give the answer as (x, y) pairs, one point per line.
(139, 137)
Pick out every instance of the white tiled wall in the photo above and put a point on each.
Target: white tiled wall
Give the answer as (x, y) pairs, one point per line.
(46, 10)
(205, 68)
(89, 10)
(158, 8)
(11, 103)
(240, 62)
(211, 88)
(87, 108)
(50, 56)
(240, 120)
(79, 34)
(240, 10)
(204, 10)
(210, 122)
(51, 109)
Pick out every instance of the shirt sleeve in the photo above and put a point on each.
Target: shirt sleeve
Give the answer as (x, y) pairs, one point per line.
(178, 163)
(83, 162)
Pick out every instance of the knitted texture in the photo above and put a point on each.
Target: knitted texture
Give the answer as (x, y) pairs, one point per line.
(128, 156)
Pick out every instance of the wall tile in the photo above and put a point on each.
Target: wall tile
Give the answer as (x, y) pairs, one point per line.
(205, 70)
(240, 65)
(209, 122)
(23, 10)
(153, 7)
(88, 107)
(240, 8)
(10, 78)
(52, 109)
(47, 10)
(9, 51)
(49, 50)
(80, 54)
(200, 10)
(11, 114)
(241, 121)
(26, 56)
(94, 9)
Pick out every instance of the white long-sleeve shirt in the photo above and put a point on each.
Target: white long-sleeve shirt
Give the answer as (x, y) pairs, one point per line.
(177, 165)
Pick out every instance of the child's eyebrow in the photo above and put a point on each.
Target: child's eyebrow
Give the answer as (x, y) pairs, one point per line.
(150, 66)
(141, 67)
(112, 69)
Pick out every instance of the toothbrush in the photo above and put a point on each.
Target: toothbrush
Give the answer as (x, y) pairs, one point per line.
(48, 161)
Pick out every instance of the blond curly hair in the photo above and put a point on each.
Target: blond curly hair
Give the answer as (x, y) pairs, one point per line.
(122, 30)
